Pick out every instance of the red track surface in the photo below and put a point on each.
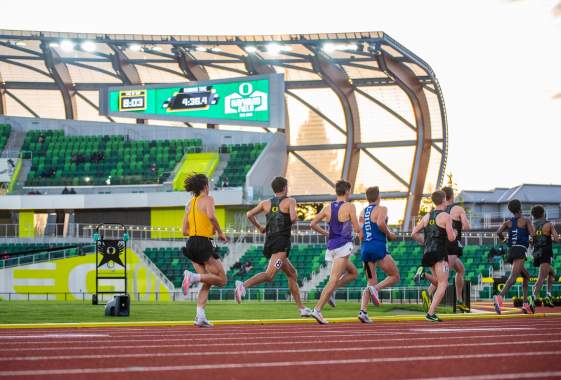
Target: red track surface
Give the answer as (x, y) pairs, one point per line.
(472, 349)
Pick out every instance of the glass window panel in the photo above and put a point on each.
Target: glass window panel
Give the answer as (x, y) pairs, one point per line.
(295, 74)
(435, 114)
(13, 73)
(372, 174)
(416, 69)
(217, 73)
(303, 181)
(432, 173)
(328, 162)
(86, 75)
(359, 72)
(151, 75)
(45, 103)
(325, 101)
(398, 159)
(85, 110)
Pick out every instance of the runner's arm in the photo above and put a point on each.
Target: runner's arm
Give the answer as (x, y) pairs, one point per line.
(354, 220)
(292, 209)
(361, 222)
(416, 233)
(500, 231)
(185, 229)
(381, 222)
(210, 213)
(449, 229)
(554, 235)
(320, 216)
(252, 214)
(464, 220)
(531, 227)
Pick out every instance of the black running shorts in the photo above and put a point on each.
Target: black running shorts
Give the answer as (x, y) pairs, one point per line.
(516, 252)
(276, 244)
(431, 258)
(454, 248)
(543, 256)
(199, 249)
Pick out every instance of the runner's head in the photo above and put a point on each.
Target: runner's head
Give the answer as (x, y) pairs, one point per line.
(373, 194)
(515, 206)
(538, 212)
(279, 185)
(343, 189)
(196, 184)
(438, 198)
(449, 194)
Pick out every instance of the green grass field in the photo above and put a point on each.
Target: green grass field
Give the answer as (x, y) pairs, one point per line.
(55, 311)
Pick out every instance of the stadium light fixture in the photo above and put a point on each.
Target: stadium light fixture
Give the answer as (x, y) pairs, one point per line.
(200, 48)
(53, 44)
(330, 47)
(67, 45)
(157, 48)
(88, 46)
(276, 48)
(216, 49)
(87, 179)
(250, 49)
(135, 47)
(20, 43)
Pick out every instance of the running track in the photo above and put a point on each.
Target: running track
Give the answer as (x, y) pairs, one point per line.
(468, 349)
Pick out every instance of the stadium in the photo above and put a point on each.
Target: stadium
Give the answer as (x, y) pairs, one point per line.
(105, 139)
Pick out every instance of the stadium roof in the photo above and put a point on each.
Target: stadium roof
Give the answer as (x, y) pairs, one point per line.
(360, 106)
(526, 193)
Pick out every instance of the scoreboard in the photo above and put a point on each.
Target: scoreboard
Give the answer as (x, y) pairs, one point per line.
(253, 100)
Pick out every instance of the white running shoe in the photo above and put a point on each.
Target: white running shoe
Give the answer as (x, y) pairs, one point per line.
(331, 300)
(363, 317)
(240, 291)
(202, 322)
(374, 295)
(186, 282)
(305, 312)
(316, 314)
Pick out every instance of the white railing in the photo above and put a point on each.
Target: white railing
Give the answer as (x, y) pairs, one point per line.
(40, 257)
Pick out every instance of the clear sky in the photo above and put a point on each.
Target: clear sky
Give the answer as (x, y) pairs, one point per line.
(498, 61)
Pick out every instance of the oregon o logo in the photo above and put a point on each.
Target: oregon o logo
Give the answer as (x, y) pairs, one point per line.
(245, 89)
(111, 250)
(275, 209)
(500, 287)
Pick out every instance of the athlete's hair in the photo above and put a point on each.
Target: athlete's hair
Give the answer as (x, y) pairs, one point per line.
(514, 206)
(196, 183)
(538, 211)
(341, 187)
(372, 194)
(438, 197)
(449, 193)
(279, 184)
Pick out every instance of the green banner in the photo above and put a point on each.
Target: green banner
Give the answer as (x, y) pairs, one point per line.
(243, 100)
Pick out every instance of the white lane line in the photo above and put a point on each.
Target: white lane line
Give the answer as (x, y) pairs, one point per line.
(478, 329)
(51, 336)
(195, 367)
(506, 376)
(322, 341)
(274, 351)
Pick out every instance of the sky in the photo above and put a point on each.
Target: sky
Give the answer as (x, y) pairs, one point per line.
(498, 61)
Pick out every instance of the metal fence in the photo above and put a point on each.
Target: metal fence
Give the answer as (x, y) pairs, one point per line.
(47, 256)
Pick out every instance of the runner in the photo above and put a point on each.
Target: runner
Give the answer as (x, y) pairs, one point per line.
(437, 228)
(280, 212)
(519, 231)
(341, 216)
(374, 251)
(200, 224)
(543, 254)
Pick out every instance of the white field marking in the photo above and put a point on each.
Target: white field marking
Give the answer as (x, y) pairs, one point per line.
(215, 366)
(259, 344)
(506, 376)
(472, 329)
(273, 351)
(50, 336)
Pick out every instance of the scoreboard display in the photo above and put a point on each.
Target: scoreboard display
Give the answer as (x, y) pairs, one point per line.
(253, 100)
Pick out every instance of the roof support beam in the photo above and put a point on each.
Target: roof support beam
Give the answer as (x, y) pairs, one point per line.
(313, 169)
(126, 71)
(413, 87)
(59, 71)
(338, 80)
(3, 110)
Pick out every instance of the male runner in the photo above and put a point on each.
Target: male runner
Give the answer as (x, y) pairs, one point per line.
(374, 250)
(200, 224)
(455, 249)
(280, 212)
(341, 216)
(519, 230)
(543, 254)
(437, 228)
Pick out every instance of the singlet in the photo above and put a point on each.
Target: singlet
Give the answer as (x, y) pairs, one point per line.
(435, 236)
(541, 241)
(340, 233)
(456, 224)
(370, 230)
(518, 235)
(199, 223)
(278, 222)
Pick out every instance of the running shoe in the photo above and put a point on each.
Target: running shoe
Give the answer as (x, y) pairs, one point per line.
(527, 309)
(306, 312)
(202, 322)
(331, 300)
(426, 301)
(532, 303)
(498, 303)
(548, 301)
(186, 282)
(419, 276)
(239, 292)
(462, 307)
(432, 318)
(374, 295)
(316, 314)
(363, 317)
